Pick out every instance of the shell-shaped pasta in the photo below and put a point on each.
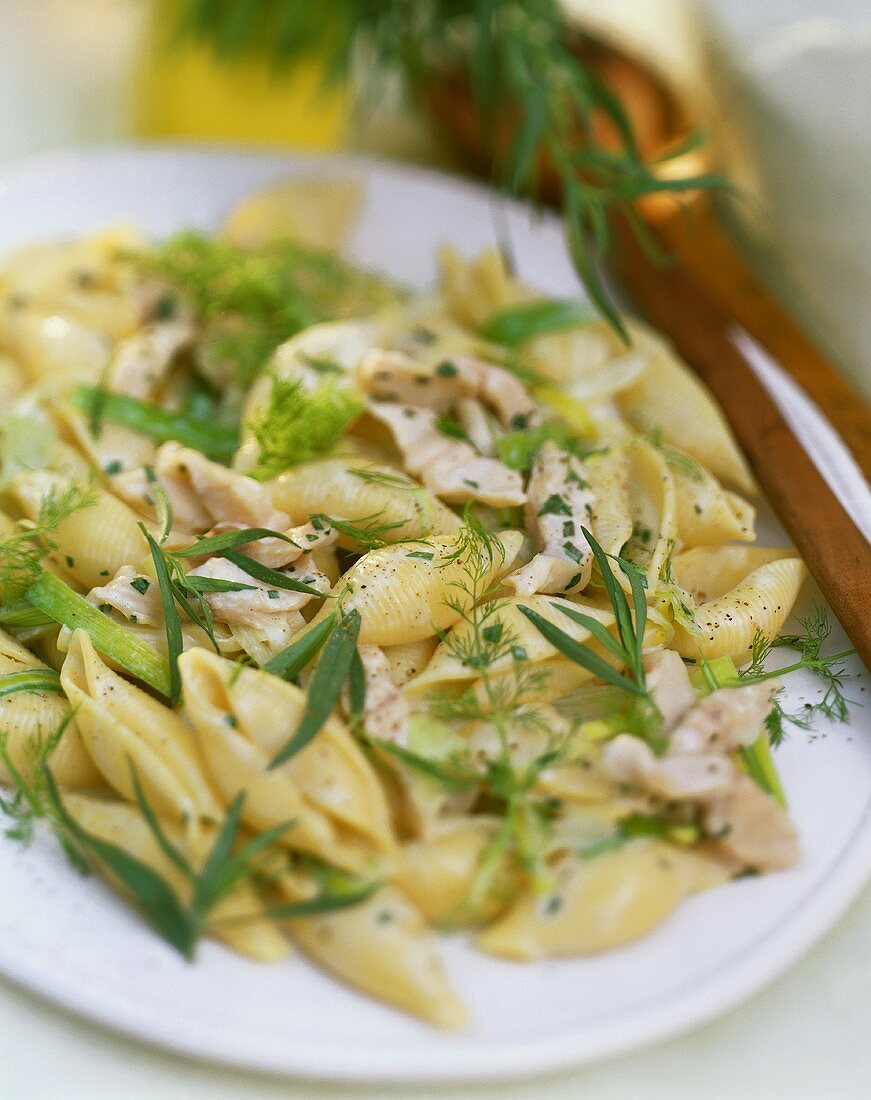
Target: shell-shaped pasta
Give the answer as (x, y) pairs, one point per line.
(360, 491)
(12, 378)
(706, 572)
(669, 397)
(121, 824)
(729, 622)
(409, 659)
(405, 597)
(117, 448)
(447, 663)
(243, 719)
(707, 515)
(653, 507)
(473, 290)
(383, 947)
(300, 209)
(600, 903)
(84, 279)
(27, 718)
(581, 359)
(608, 478)
(124, 728)
(52, 349)
(438, 873)
(95, 541)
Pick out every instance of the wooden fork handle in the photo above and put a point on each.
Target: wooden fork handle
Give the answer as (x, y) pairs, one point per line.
(702, 327)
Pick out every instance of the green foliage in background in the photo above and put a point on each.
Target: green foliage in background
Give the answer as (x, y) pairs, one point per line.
(517, 59)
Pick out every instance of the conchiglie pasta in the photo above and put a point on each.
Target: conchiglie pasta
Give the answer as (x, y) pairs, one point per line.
(473, 290)
(669, 397)
(760, 602)
(53, 350)
(125, 729)
(653, 508)
(95, 541)
(709, 571)
(608, 478)
(243, 720)
(600, 903)
(448, 665)
(28, 718)
(384, 947)
(117, 448)
(363, 493)
(438, 873)
(403, 596)
(707, 515)
(123, 825)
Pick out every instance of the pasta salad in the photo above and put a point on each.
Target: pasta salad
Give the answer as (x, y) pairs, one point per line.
(335, 617)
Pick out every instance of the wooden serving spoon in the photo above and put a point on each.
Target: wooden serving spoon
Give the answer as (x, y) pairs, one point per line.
(713, 308)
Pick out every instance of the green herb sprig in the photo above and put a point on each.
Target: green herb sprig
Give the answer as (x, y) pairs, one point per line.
(832, 704)
(213, 439)
(330, 675)
(22, 554)
(299, 425)
(519, 63)
(626, 647)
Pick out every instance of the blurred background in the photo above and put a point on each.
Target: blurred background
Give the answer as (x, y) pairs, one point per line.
(783, 87)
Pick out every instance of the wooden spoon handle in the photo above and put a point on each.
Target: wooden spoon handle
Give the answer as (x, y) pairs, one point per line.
(716, 263)
(702, 329)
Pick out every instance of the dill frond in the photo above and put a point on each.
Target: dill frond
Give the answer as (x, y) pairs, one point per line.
(22, 554)
(249, 301)
(832, 703)
(299, 424)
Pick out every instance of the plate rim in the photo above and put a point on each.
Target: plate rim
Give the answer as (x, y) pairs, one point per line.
(811, 918)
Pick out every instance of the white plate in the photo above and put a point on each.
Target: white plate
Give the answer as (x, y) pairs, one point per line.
(73, 941)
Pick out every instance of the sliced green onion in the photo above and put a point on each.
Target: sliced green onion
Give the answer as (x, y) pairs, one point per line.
(34, 679)
(759, 762)
(51, 595)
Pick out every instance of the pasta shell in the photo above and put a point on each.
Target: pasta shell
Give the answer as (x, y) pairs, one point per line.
(598, 903)
(341, 343)
(707, 515)
(517, 631)
(363, 493)
(123, 825)
(124, 728)
(95, 541)
(404, 597)
(669, 397)
(710, 571)
(438, 873)
(243, 719)
(760, 602)
(28, 717)
(383, 947)
(608, 478)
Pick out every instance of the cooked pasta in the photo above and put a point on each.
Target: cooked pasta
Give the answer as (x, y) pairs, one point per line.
(408, 625)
